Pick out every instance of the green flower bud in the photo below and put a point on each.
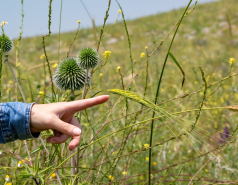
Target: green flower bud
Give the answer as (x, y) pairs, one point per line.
(69, 75)
(7, 43)
(88, 58)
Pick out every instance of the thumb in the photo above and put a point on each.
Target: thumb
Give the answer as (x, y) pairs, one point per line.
(66, 128)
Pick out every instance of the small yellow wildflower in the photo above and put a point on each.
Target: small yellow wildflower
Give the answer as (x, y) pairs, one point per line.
(146, 47)
(118, 68)
(9, 183)
(27, 159)
(111, 177)
(53, 175)
(107, 54)
(206, 170)
(147, 159)
(84, 166)
(8, 89)
(196, 82)
(19, 164)
(119, 11)
(231, 61)
(55, 65)
(7, 178)
(79, 21)
(18, 64)
(154, 163)
(3, 22)
(124, 173)
(146, 145)
(142, 55)
(41, 93)
(100, 75)
(10, 82)
(42, 56)
(86, 124)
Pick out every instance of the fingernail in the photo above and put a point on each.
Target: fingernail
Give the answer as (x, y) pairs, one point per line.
(76, 131)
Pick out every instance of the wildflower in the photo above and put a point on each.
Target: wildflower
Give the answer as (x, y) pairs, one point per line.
(196, 82)
(18, 64)
(9, 183)
(10, 82)
(206, 170)
(146, 47)
(19, 164)
(7, 178)
(27, 159)
(231, 61)
(124, 173)
(84, 166)
(86, 124)
(55, 65)
(111, 177)
(41, 92)
(118, 68)
(3, 22)
(107, 54)
(142, 55)
(154, 163)
(147, 159)
(42, 56)
(53, 175)
(146, 145)
(8, 89)
(79, 21)
(100, 75)
(119, 11)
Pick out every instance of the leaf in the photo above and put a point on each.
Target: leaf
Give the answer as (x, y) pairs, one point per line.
(176, 62)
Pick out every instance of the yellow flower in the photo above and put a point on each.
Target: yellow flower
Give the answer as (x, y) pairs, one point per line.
(124, 173)
(7, 178)
(19, 164)
(206, 170)
(231, 61)
(9, 183)
(107, 54)
(8, 89)
(119, 11)
(27, 159)
(3, 22)
(41, 92)
(118, 68)
(18, 64)
(10, 82)
(100, 75)
(86, 124)
(84, 166)
(154, 163)
(79, 21)
(42, 56)
(146, 145)
(196, 82)
(53, 175)
(142, 55)
(147, 159)
(111, 177)
(146, 47)
(55, 65)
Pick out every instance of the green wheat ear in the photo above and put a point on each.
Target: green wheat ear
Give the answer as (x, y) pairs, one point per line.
(88, 58)
(69, 75)
(7, 43)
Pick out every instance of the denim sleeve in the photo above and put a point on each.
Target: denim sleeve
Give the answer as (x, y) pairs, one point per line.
(15, 122)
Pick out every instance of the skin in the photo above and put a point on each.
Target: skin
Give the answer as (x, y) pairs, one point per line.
(60, 118)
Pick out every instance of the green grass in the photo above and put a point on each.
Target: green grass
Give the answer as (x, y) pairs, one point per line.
(203, 39)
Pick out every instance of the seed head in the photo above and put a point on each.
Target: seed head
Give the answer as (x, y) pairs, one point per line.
(7, 43)
(88, 58)
(69, 75)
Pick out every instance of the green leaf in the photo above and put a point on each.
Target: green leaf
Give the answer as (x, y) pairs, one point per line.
(176, 62)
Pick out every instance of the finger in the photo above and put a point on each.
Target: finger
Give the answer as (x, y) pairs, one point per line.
(65, 128)
(79, 105)
(75, 139)
(58, 138)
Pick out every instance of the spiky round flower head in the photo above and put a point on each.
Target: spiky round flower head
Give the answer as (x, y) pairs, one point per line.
(88, 57)
(69, 75)
(7, 43)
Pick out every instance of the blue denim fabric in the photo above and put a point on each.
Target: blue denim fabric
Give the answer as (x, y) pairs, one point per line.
(15, 122)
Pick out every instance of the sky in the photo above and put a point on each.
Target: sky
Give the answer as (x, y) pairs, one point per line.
(36, 13)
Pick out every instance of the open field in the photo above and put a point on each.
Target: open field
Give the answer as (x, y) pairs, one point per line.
(194, 134)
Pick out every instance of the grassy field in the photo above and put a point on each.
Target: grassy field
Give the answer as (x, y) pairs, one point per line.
(207, 153)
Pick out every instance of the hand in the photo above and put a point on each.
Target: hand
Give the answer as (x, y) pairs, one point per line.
(60, 118)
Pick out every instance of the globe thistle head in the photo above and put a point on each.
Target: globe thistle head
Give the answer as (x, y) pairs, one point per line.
(7, 43)
(88, 57)
(69, 75)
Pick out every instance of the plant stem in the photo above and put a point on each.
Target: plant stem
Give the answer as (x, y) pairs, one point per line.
(158, 88)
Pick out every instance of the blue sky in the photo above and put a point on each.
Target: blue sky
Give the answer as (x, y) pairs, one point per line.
(36, 13)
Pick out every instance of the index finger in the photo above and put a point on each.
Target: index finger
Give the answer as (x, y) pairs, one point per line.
(79, 105)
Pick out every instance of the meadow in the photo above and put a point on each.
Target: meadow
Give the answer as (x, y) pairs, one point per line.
(171, 117)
